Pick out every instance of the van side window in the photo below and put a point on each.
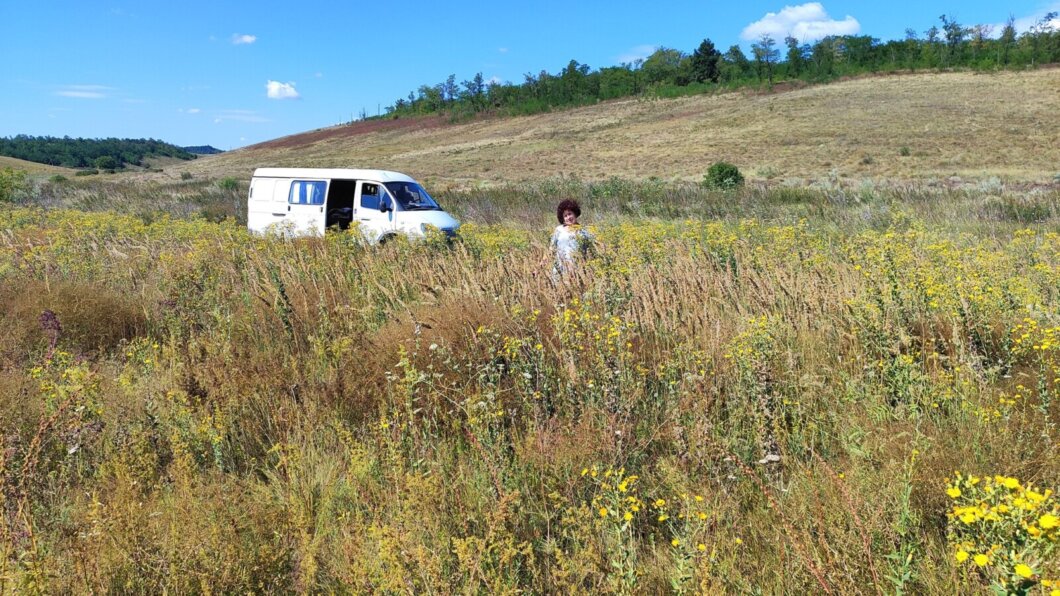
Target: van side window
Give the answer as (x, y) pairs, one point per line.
(307, 192)
(370, 194)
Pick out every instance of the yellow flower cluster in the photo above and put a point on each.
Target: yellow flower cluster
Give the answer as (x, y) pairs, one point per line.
(615, 495)
(1002, 527)
(582, 329)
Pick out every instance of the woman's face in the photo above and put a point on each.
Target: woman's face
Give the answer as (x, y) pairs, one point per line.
(569, 218)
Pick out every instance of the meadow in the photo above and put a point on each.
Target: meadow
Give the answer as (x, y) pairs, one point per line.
(824, 389)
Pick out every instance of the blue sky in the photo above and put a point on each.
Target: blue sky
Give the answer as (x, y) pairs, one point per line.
(229, 74)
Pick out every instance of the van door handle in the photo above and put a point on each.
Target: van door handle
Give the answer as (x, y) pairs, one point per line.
(281, 214)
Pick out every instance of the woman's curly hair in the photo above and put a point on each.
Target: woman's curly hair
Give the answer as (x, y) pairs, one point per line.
(567, 205)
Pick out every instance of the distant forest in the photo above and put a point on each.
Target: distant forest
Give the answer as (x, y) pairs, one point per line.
(104, 154)
(669, 72)
(203, 150)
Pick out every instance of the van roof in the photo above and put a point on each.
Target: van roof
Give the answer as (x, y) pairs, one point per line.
(333, 174)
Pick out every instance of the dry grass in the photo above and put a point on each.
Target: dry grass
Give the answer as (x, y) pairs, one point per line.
(953, 124)
(33, 168)
(317, 416)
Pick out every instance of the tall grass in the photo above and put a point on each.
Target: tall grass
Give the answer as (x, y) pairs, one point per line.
(766, 391)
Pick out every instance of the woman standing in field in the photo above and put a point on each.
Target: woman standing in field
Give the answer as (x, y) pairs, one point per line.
(569, 238)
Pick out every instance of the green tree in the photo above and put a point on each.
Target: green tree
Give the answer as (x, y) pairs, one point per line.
(1006, 41)
(704, 63)
(796, 56)
(105, 162)
(475, 91)
(766, 55)
(955, 34)
(662, 65)
(449, 89)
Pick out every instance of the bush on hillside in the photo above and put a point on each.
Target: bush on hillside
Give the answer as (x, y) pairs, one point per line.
(723, 176)
(105, 162)
(228, 184)
(11, 182)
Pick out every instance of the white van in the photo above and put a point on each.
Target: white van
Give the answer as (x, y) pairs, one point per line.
(307, 201)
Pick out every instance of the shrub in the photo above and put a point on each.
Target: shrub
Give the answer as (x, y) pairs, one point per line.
(723, 176)
(88, 172)
(904, 151)
(228, 183)
(11, 182)
(58, 179)
(185, 175)
(106, 162)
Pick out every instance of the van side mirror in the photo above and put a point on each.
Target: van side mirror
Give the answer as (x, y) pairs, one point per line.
(384, 205)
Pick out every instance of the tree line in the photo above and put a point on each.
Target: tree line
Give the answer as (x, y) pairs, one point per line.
(105, 154)
(668, 72)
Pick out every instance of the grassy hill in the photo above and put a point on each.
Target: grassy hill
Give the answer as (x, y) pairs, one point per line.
(33, 168)
(919, 126)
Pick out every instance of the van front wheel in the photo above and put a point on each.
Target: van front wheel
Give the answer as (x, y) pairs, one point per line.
(386, 238)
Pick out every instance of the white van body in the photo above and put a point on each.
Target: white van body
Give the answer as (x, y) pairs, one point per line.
(307, 201)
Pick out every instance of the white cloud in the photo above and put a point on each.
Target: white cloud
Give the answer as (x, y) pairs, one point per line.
(502, 50)
(278, 90)
(637, 53)
(243, 39)
(188, 111)
(805, 22)
(85, 91)
(494, 80)
(319, 75)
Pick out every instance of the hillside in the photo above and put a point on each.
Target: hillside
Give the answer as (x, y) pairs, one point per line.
(33, 168)
(950, 124)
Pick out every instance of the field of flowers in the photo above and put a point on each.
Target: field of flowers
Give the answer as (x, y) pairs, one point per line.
(783, 391)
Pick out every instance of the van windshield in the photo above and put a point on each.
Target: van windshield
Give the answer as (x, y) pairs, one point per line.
(411, 196)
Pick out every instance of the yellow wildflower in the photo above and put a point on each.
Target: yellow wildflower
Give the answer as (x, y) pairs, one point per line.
(1024, 571)
(1048, 521)
(953, 492)
(961, 556)
(603, 512)
(675, 542)
(981, 560)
